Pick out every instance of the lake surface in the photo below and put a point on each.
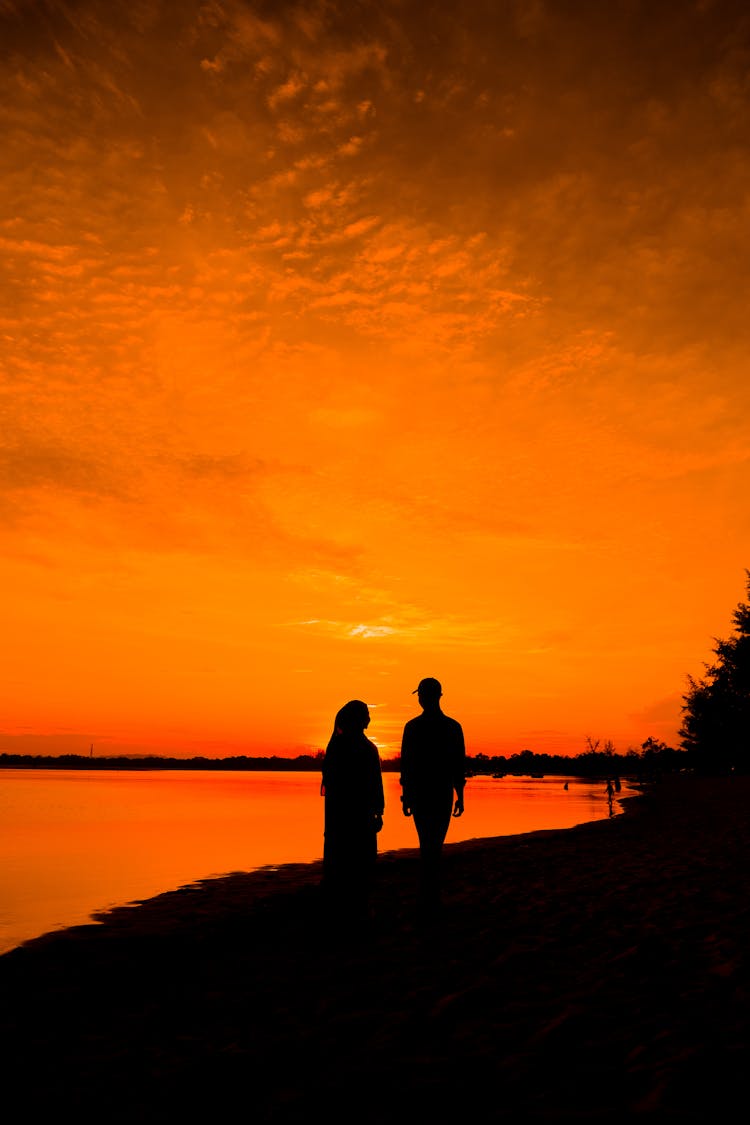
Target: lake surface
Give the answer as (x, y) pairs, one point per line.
(74, 842)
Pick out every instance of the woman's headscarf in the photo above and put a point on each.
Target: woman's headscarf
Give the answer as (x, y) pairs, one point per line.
(351, 719)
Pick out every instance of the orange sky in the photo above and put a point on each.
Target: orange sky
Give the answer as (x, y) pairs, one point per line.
(344, 344)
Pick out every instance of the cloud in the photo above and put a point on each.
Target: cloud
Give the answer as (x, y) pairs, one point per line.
(368, 631)
(31, 466)
(408, 626)
(206, 466)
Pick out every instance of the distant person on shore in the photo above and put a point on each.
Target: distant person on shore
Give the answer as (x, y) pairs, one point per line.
(352, 786)
(433, 770)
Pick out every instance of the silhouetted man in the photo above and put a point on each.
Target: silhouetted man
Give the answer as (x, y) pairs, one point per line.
(433, 768)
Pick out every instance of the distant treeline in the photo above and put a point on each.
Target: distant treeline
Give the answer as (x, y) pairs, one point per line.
(653, 757)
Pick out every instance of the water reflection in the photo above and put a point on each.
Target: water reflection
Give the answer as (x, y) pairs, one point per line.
(74, 842)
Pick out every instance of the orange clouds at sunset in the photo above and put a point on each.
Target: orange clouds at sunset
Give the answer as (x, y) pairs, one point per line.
(345, 344)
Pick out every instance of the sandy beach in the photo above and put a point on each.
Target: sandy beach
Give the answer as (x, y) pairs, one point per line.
(597, 973)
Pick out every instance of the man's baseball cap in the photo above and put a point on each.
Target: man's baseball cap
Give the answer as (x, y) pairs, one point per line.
(430, 686)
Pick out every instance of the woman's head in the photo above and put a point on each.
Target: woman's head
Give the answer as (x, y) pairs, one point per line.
(353, 718)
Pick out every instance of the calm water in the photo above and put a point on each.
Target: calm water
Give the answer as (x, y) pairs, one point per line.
(75, 842)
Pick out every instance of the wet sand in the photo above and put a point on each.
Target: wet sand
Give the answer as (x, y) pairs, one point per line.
(598, 973)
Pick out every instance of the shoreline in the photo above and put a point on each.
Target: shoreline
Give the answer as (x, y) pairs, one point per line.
(285, 875)
(282, 823)
(588, 973)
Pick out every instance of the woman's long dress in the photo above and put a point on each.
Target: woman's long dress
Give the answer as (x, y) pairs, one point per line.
(353, 791)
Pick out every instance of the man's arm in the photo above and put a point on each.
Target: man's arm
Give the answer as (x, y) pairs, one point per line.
(404, 779)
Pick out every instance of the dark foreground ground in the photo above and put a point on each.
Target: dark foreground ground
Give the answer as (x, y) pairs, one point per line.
(594, 974)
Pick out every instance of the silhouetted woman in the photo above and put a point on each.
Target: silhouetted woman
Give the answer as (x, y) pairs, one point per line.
(354, 802)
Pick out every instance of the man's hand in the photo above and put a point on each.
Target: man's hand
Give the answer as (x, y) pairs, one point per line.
(378, 821)
(458, 808)
(406, 808)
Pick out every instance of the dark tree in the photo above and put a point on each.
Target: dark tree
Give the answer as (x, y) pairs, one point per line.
(716, 710)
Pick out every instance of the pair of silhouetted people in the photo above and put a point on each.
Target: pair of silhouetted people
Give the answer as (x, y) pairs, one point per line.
(433, 773)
